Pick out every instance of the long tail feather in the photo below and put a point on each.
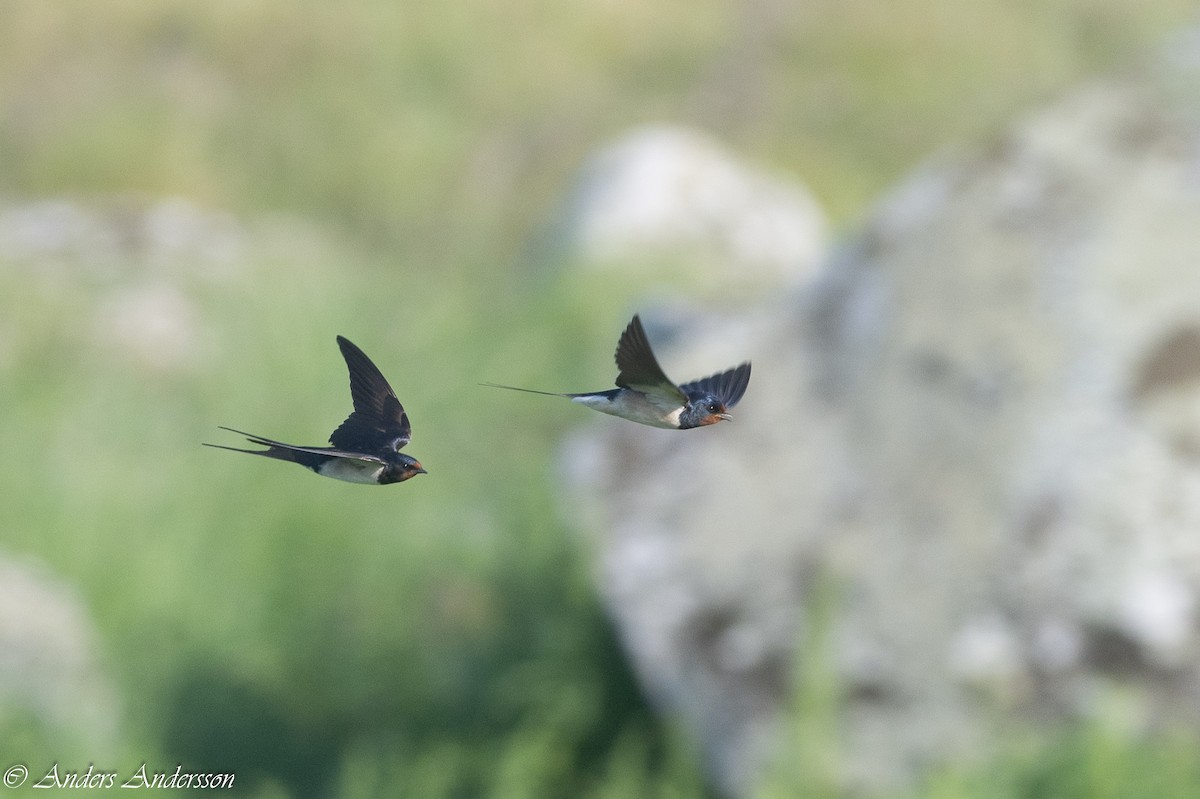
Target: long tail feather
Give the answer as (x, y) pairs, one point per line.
(526, 390)
(273, 452)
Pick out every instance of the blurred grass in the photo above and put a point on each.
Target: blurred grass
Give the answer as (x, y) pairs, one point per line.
(438, 638)
(420, 123)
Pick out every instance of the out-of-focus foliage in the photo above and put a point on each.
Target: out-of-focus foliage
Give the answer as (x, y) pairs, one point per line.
(437, 638)
(449, 129)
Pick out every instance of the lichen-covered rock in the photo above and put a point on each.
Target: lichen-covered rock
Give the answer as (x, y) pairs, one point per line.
(51, 668)
(970, 451)
(664, 197)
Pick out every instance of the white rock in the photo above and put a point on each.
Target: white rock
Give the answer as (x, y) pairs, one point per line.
(972, 444)
(662, 195)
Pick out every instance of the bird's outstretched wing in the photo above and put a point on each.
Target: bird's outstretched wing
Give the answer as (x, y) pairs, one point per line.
(639, 369)
(728, 386)
(378, 415)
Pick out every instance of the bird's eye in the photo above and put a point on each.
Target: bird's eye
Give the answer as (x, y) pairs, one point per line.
(714, 407)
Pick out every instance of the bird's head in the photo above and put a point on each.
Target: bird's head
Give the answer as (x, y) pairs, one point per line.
(406, 468)
(702, 411)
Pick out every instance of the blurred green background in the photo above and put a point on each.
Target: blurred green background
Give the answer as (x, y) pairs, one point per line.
(382, 170)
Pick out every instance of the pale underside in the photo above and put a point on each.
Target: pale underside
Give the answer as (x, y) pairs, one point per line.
(646, 409)
(352, 470)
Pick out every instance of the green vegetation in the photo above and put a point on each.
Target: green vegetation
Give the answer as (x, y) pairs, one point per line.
(440, 638)
(1081, 764)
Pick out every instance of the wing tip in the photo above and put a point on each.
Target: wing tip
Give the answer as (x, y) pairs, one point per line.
(735, 381)
(349, 348)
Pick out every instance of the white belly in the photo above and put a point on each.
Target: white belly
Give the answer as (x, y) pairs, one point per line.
(351, 470)
(634, 407)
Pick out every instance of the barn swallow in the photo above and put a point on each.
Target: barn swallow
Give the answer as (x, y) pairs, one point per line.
(366, 447)
(644, 393)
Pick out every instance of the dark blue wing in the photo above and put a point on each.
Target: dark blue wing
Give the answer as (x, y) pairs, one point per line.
(639, 369)
(728, 386)
(379, 422)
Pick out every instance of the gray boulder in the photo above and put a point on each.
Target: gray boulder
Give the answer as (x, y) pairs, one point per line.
(964, 485)
(51, 669)
(133, 263)
(663, 200)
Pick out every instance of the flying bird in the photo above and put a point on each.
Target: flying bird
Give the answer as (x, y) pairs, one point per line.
(644, 393)
(366, 447)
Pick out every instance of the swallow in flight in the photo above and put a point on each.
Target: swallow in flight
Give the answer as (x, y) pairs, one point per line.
(644, 394)
(366, 447)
